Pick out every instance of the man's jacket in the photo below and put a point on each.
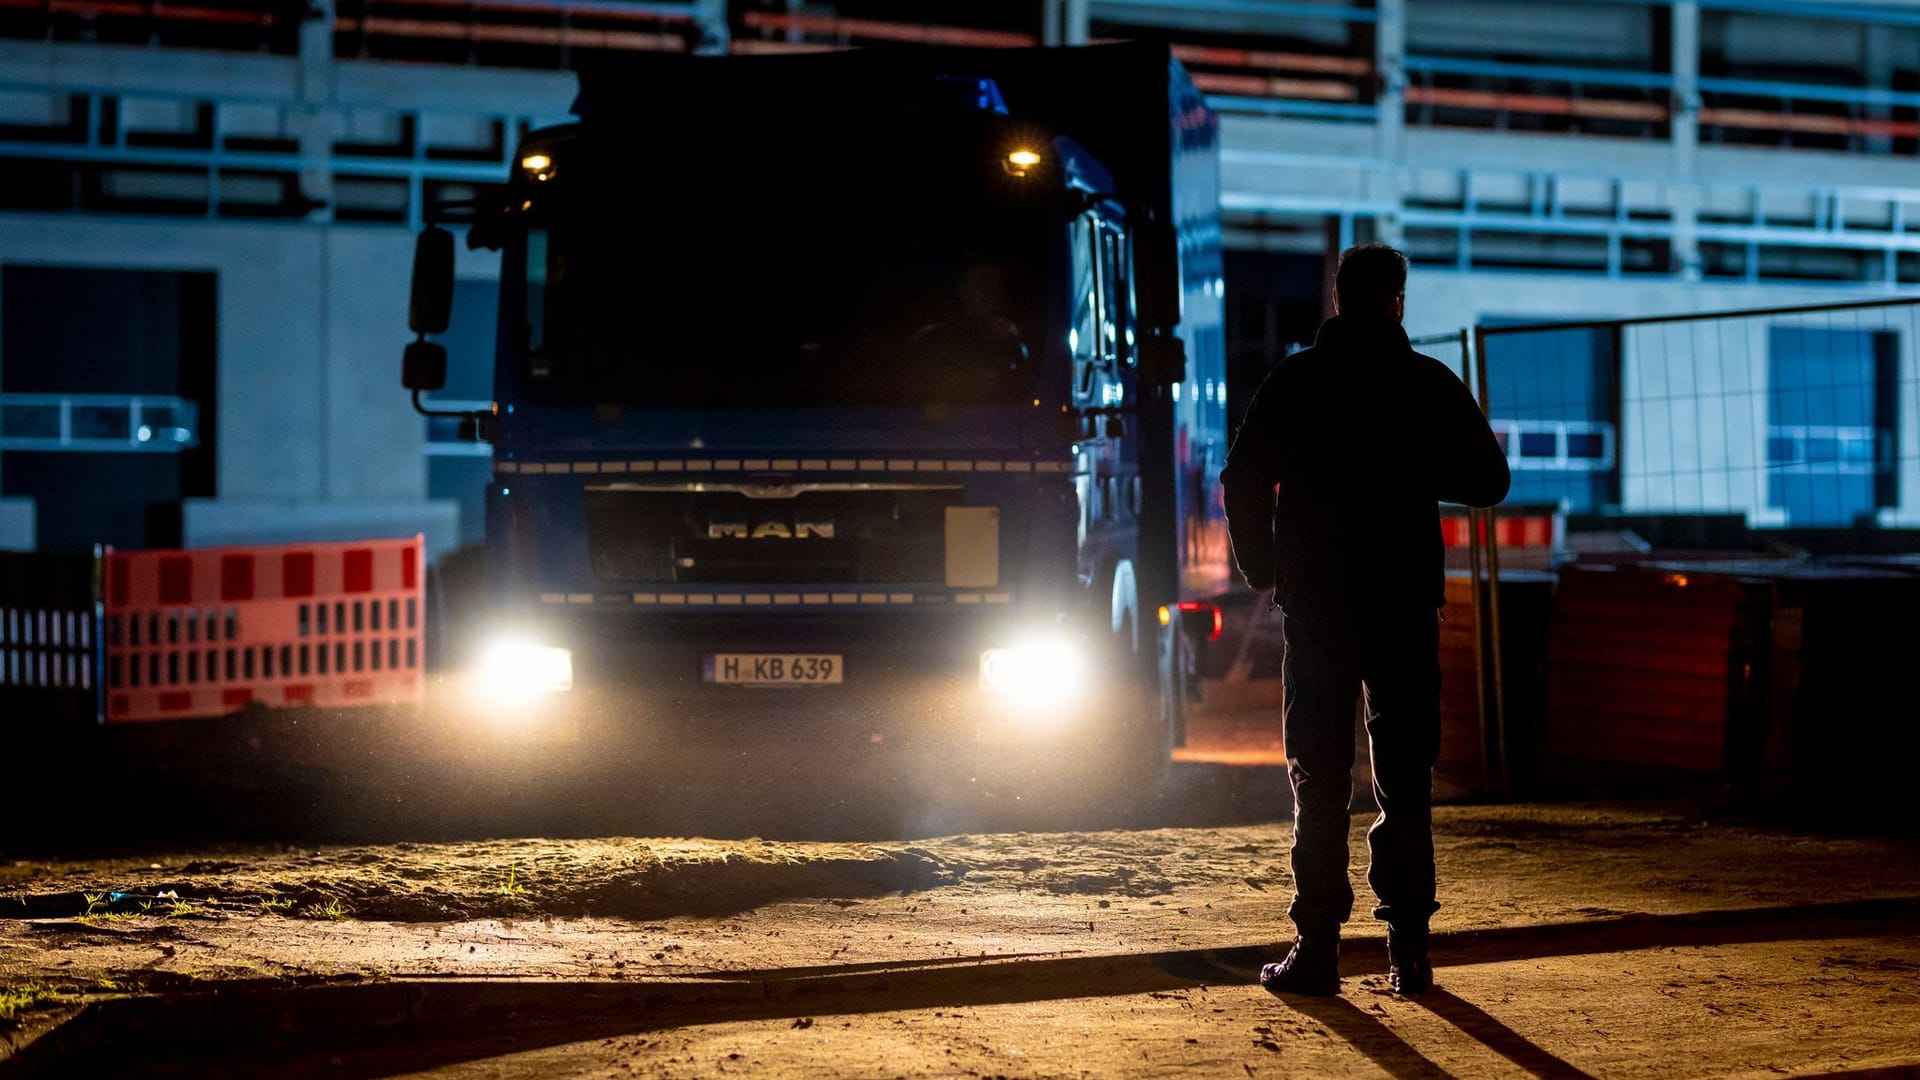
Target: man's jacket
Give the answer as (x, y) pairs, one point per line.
(1363, 438)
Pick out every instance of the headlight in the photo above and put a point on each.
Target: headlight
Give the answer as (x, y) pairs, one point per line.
(1039, 672)
(516, 671)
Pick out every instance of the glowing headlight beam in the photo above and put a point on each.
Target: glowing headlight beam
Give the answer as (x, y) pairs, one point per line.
(518, 671)
(1038, 672)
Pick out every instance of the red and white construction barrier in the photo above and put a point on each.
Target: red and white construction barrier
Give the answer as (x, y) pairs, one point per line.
(1524, 531)
(213, 630)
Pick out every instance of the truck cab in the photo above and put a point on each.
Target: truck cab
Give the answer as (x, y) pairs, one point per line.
(874, 396)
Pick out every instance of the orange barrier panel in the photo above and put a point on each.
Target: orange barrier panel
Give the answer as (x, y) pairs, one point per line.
(1519, 531)
(93, 9)
(566, 36)
(1528, 535)
(1214, 82)
(1277, 61)
(1543, 104)
(876, 30)
(1754, 119)
(559, 8)
(211, 631)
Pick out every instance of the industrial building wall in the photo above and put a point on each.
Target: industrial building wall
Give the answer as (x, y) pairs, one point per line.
(317, 440)
(1667, 158)
(105, 338)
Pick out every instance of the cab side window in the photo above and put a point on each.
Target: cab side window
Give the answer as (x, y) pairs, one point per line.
(1085, 330)
(1116, 297)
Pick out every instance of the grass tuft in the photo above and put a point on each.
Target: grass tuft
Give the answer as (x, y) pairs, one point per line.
(104, 918)
(22, 997)
(513, 887)
(333, 909)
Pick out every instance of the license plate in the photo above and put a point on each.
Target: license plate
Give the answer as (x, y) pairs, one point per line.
(772, 669)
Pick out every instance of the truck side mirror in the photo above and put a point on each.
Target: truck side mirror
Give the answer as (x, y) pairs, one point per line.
(1156, 248)
(424, 366)
(431, 300)
(1156, 257)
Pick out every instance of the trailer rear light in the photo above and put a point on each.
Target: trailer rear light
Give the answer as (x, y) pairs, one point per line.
(1214, 620)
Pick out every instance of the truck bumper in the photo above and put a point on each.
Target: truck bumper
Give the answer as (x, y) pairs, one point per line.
(908, 681)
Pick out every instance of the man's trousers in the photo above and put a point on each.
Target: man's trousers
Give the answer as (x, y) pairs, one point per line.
(1330, 658)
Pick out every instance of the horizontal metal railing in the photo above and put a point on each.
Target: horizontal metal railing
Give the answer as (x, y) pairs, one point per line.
(117, 423)
(1271, 80)
(1543, 206)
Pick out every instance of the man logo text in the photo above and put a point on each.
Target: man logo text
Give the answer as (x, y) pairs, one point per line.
(770, 530)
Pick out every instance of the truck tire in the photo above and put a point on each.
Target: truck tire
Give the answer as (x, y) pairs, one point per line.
(1161, 721)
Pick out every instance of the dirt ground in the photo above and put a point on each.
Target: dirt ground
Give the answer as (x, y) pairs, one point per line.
(1578, 940)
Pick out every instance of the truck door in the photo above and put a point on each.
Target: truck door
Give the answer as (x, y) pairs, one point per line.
(1099, 337)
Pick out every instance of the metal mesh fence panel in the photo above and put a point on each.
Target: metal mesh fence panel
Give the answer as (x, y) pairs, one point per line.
(1707, 426)
(1739, 579)
(49, 642)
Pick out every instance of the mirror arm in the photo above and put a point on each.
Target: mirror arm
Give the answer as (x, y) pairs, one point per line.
(444, 414)
(1082, 201)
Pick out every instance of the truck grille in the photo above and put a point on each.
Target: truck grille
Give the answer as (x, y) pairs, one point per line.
(768, 534)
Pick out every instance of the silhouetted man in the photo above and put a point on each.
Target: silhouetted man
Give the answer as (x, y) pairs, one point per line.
(1332, 489)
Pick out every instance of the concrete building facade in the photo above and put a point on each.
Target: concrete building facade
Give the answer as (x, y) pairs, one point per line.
(1551, 162)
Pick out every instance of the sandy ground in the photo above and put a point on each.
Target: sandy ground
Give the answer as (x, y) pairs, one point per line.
(1574, 940)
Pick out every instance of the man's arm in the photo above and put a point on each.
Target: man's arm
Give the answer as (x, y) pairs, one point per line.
(1469, 466)
(1252, 472)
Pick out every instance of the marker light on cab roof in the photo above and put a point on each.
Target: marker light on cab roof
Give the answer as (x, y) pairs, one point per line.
(1021, 160)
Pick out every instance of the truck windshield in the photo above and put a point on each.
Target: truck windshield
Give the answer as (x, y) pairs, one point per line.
(794, 297)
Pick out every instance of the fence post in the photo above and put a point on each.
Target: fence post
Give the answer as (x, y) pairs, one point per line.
(1468, 364)
(1496, 670)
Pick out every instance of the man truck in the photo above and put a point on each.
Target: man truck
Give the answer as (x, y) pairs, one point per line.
(868, 394)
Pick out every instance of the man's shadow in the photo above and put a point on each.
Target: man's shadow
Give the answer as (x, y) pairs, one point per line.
(1397, 1058)
(1365, 1033)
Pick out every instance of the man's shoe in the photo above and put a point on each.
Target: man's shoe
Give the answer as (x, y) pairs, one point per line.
(1312, 967)
(1409, 970)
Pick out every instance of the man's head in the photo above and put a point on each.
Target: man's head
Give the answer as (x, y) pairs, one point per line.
(1371, 283)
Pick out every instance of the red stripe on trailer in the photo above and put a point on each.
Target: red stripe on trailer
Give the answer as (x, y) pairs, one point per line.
(358, 688)
(357, 571)
(176, 580)
(236, 696)
(236, 577)
(176, 700)
(296, 574)
(409, 567)
(301, 694)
